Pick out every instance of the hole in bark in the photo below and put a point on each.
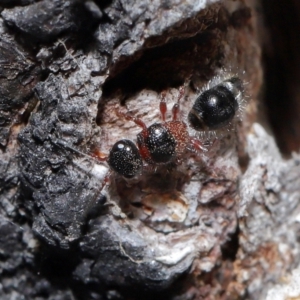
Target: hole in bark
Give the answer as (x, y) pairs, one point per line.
(164, 67)
(230, 249)
(244, 162)
(136, 204)
(168, 65)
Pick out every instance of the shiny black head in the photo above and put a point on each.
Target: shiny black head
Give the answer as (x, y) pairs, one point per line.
(217, 106)
(125, 159)
(159, 142)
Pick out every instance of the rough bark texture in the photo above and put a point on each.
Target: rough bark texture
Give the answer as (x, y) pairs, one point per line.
(223, 224)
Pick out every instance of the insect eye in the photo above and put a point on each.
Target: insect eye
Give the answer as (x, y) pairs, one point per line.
(125, 159)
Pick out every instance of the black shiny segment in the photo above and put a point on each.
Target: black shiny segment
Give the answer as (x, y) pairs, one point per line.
(125, 159)
(213, 109)
(160, 143)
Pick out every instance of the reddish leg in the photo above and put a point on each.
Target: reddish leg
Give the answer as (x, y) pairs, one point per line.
(175, 112)
(142, 148)
(137, 121)
(99, 155)
(163, 106)
(197, 145)
(176, 109)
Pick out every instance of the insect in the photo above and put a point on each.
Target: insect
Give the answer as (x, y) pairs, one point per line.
(167, 143)
(217, 105)
(163, 143)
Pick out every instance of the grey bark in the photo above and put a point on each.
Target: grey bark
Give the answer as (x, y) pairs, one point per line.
(223, 224)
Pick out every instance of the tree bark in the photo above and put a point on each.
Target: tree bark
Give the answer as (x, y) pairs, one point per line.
(221, 224)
